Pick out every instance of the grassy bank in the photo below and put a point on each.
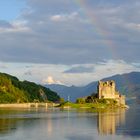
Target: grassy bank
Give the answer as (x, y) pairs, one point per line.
(91, 105)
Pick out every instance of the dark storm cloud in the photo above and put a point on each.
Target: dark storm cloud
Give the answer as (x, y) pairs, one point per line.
(60, 32)
(80, 69)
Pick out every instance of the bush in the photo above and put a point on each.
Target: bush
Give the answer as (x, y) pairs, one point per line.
(80, 101)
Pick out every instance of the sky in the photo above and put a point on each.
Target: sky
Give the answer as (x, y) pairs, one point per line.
(70, 42)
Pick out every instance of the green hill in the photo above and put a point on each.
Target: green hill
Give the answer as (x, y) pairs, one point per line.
(14, 91)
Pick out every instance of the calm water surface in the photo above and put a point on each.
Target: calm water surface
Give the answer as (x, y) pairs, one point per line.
(69, 125)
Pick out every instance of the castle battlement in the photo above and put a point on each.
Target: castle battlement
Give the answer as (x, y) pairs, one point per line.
(107, 90)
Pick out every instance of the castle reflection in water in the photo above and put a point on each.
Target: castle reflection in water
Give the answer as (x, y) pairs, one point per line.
(109, 121)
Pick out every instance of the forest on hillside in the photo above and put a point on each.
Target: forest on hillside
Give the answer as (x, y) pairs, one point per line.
(14, 91)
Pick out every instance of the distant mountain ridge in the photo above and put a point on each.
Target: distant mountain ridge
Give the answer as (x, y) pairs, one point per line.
(127, 84)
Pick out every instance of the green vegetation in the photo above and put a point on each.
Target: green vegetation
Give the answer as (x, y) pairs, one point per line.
(14, 91)
(92, 102)
(102, 104)
(62, 100)
(95, 100)
(81, 101)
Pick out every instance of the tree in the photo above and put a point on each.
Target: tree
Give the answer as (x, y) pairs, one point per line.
(62, 100)
(80, 101)
(12, 91)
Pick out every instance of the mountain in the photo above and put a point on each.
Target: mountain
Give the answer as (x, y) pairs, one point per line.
(64, 91)
(127, 84)
(12, 91)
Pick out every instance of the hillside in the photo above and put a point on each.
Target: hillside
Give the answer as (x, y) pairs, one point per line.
(128, 84)
(12, 91)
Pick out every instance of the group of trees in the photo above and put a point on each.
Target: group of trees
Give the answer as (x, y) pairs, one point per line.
(12, 91)
(89, 99)
(93, 98)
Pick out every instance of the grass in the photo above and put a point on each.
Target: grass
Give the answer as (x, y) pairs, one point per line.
(85, 105)
(108, 104)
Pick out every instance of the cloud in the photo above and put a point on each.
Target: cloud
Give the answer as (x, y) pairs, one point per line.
(3, 65)
(137, 65)
(50, 80)
(63, 32)
(100, 70)
(80, 69)
(64, 17)
(5, 24)
(13, 27)
(28, 73)
(56, 18)
(56, 73)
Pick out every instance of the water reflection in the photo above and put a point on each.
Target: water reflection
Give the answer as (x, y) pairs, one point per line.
(12, 120)
(49, 126)
(109, 121)
(7, 126)
(70, 125)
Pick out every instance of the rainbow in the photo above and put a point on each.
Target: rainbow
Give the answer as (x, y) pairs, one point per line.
(97, 28)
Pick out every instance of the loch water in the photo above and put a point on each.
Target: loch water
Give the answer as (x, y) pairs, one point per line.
(56, 124)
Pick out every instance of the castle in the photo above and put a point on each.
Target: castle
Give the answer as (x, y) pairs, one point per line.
(107, 90)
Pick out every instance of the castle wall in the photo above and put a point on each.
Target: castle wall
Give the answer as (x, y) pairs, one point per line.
(107, 90)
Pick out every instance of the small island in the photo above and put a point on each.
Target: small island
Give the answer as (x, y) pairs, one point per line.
(106, 97)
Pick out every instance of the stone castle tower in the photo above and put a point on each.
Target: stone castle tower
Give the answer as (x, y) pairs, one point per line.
(107, 90)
